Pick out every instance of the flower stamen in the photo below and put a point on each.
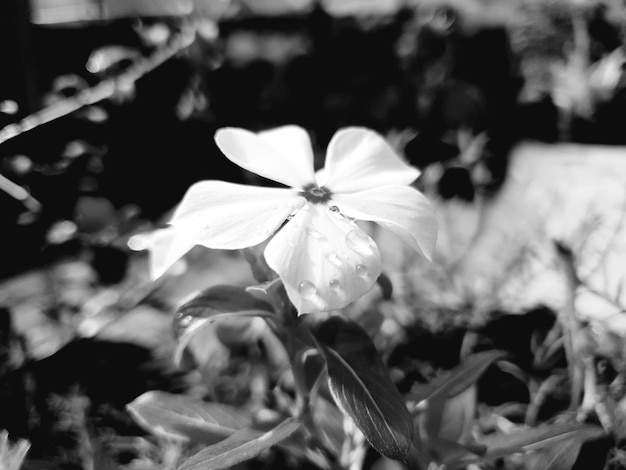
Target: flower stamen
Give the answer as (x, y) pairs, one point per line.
(316, 194)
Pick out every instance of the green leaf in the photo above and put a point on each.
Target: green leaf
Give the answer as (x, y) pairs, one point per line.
(451, 454)
(308, 363)
(274, 293)
(460, 378)
(360, 385)
(260, 269)
(184, 417)
(559, 456)
(447, 408)
(451, 419)
(329, 422)
(538, 437)
(222, 301)
(217, 301)
(241, 446)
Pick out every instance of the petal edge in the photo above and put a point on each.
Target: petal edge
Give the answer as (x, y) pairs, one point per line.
(401, 209)
(231, 216)
(283, 154)
(358, 159)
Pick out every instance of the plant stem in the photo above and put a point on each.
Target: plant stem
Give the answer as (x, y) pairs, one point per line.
(571, 326)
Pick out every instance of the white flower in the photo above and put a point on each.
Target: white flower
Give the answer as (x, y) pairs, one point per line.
(323, 258)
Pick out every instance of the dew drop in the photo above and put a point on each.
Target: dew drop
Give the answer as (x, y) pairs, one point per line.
(185, 321)
(333, 209)
(361, 270)
(335, 260)
(334, 284)
(358, 242)
(307, 289)
(315, 234)
(291, 205)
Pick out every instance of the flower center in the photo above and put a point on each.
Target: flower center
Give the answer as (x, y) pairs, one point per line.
(316, 194)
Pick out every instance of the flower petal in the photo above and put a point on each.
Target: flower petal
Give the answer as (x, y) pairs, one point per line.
(283, 154)
(325, 261)
(166, 247)
(232, 216)
(359, 159)
(401, 209)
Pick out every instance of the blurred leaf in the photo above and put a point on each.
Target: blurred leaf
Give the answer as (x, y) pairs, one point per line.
(310, 366)
(447, 410)
(9, 107)
(308, 362)
(241, 446)
(93, 214)
(386, 286)
(278, 7)
(361, 386)
(195, 317)
(182, 416)
(12, 454)
(103, 59)
(56, 12)
(329, 422)
(445, 428)
(450, 419)
(460, 378)
(451, 454)
(539, 437)
(42, 336)
(417, 457)
(260, 269)
(560, 456)
(605, 74)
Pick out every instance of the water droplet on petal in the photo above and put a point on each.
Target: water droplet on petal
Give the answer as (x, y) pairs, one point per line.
(334, 259)
(264, 232)
(334, 284)
(358, 242)
(315, 234)
(185, 321)
(291, 205)
(307, 289)
(361, 270)
(333, 209)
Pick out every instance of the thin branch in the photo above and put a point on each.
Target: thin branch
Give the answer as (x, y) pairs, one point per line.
(19, 193)
(103, 90)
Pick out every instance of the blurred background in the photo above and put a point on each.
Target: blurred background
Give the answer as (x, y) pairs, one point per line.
(107, 115)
